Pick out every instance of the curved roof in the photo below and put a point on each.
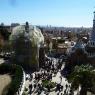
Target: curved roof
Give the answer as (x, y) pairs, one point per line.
(34, 34)
(78, 45)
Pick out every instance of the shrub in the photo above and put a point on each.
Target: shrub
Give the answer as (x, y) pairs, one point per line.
(47, 83)
(26, 89)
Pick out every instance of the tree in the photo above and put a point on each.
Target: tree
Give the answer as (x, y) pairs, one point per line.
(78, 57)
(4, 32)
(83, 75)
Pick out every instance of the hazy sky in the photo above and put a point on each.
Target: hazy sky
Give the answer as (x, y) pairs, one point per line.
(48, 12)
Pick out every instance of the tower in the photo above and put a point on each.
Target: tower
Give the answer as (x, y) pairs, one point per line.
(93, 30)
(27, 27)
(90, 48)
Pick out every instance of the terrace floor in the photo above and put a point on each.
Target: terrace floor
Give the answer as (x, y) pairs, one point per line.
(4, 81)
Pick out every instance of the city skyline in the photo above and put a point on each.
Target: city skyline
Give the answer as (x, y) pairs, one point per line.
(67, 13)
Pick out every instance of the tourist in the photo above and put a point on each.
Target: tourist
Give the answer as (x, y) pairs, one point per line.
(30, 87)
(61, 87)
(34, 86)
(61, 78)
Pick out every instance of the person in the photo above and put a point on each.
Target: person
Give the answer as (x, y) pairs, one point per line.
(58, 87)
(71, 92)
(39, 92)
(30, 92)
(58, 93)
(50, 76)
(47, 93)
(34, 86)
(30, 86)
(66, 86)
(31, 77)
(65, 92)
(61, 78)
(61, 87)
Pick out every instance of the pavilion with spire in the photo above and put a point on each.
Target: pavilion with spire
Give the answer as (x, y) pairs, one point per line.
(84, 53)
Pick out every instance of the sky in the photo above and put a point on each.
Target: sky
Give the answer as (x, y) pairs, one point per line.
(66, 13)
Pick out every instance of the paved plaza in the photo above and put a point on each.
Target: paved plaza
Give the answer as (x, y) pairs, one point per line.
(58, 79)
(4, 81)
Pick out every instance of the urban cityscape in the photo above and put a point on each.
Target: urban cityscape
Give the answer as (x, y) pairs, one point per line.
(54, 54)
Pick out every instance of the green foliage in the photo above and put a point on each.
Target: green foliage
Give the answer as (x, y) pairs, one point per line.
(83, 75)
(26, 89)
(47, 83)
(24, 93)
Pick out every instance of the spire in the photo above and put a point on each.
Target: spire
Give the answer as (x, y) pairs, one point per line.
(94, 22)
(27, 27)
(93, 31)
(94, 15)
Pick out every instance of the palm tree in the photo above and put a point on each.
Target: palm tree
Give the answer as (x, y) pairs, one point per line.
(83, 75)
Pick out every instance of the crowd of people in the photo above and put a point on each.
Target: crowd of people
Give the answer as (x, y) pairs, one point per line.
(47, 72)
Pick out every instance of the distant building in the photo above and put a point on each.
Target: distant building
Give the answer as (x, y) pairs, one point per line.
(14, 24)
